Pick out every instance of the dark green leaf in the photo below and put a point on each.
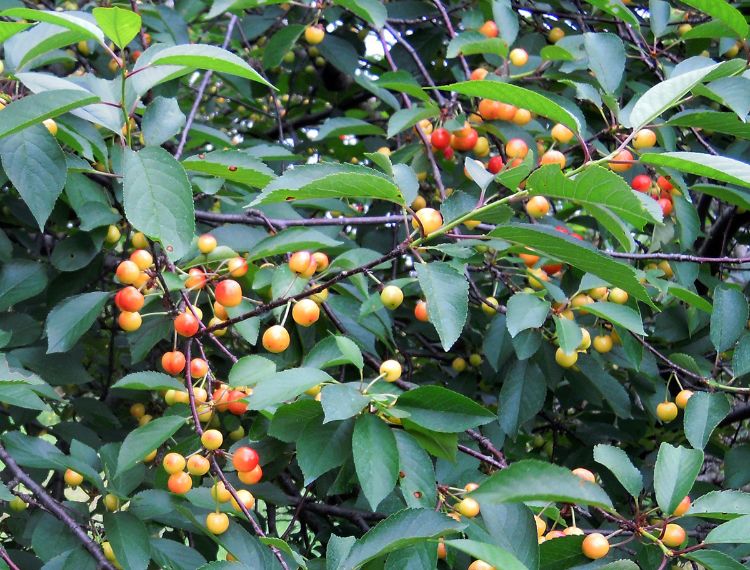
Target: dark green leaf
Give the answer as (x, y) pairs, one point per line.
(282, 386)
(72, 318)
(442, 410)
(377, 471)
(143, 440)
(674, 474)
(148, 381)
(729, 317)
(618, 462)
(447, 294)
(129, 539)
(525, 311)
(702, 414)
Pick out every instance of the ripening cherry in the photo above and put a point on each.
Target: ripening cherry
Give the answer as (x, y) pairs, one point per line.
(111, 502)
(489, 29)
(430, 218)
(645, 138)
(212, 439)
(553, 157)
(200, 395)
(584, 474)
(198, 368)
(173, 462)
(554, 534)
(245, 498)
(490, 306)
(495, 164)
(137, 410)
(420, 311)
(300, 262)
(179, 483)
(488, 109)
(217, 322)
(196, 279)
(390, 370)
(595, 546)
(129, 321)
(251, 477)
(237, 405)
(667, 411)
(108, 552)
(622, 161)
(237, 266)
(537, 207)
(681, 400)
(217, 523)
(139, 240)
(228, 293)
(506, 112)
(440, 138)
(478, 74)
(186, 324)
(220, 311)
(72, 478)
(245, 458)
(664, 184)
(585, 339)
(150, 457)
(127, 272)
(459, 364)
(516, 148)
(306, 312)
(555, 35)
(142, 258)
(603, 343)
(541, 526)
(129, 299)
(276, 339)
(565, 359)
(321, 261)
(314, 34)
(220, 398)
(482, 147)
(392, 296)
(219, 492)
(641, 183)
(682, 507)
(518, 57)
(465, 138)
(442, 551)
(561, 133)
(573, 531)
(674, 535)
(529, 259)
(522, 117)
(666, 205)
(480, 565)
(468, 507)
(198, 465)
(617, 295)
(173, 362)
(206, 243)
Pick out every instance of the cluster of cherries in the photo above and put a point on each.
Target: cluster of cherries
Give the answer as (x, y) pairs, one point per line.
(661, 191)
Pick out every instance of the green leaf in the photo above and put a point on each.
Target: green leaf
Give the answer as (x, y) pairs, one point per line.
(377, 471)
(729, 317)
(555, 245)
(489, 553)
(121, 26)
(405, 118)
(728, 123)
(372, 11)
(521, 397)
(20, 279)
(285, 385)
(702, 164)
(442, 410)
(330, 181)
(525, 311)
(569, 335)
(608, 387)
(714, 560)
(280, 44)
(334, 351)
(506, 19)
(176, 555)
(33, 109)
(517, 96)
(10, 29)
(690, 297)
(621, 315)
(143, 440)
(665, 95)
(416, 472)
(148, 381)
(315, 460)
(335, 127)
(674, 474)
(719, 504)
(606, 54)
(556, 53)
(292, 239)
(446, 291)
(736, 531)
(534, 480)
(703, 414)
(233, 165)
(511, 526)
(399, 530)
(562, 553)
(290, 420)
(342, 401)
(151, 179)
(64, 19)
(162, 120)
(618, 462)
(617, 9)
(251, 369)
(595, 188)
(723, 11)
(474, 43)
(35, 164)
(204, 56)
(129, 539)
(72, 318)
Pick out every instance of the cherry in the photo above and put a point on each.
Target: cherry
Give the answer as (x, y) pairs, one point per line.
(489, 29)
(622, 161)
(217, 523)
(475, 359)
(276, 339)
(113, 235)
(459, 364)
(430, 218)
(522, 117)
(72, 478)
(645, 138)
(490, 306)
(196, 279)
(480, 565)
(441, 138)
(585, 339)
(420, 311)
(518, 57)
(173, 362)
(300, 262)
(495, 164)
(127, 272)
(111, 502)
(212, 439)
(595, 546)
(565, 359)
(129, 321)
(228, 293)
(251, 477)
(617, 295)
(220, 493)
(142, 258)
(306, 312)
(666, 205)
(220, 311)
(464, 139)
(506, 112)
(392, 296)
(555, 534)
(236, 404)
(425, 125)
(109, 554)
(186, 324)
(478, 74)
(537, 206)
(129, 299)
(482, 147)
(584, 474)
(448, 153)
(206, 243)
(198, 465)
(139, 240)
(150, 457)
(442, 551)
(246, 499)
(391, 370)
(674, 535)
(179, 483)
(314, 34)
(664, 184)
(468, 507)
(529, 259)
(51, 126)
(683, 507)
(541, 526)
(489, 109)
(245, 459)
(681, 400)
(173, 463)
(573, 531)
(641, 183)
(561, 133)
(555, 35)
(137, 410)
(321, 261)
(237, 266)
(553, 157)
(603, 343)
(667, 411)
(516, 148)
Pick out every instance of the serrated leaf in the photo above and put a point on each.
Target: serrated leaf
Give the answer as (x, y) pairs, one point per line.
(335, 127)
(33, 109)
(372, 11)
(148, 381)
(525, 311)
(703, 414)
(233, 165)
(618, 314)
(702, 164)
(377, 472)
(121, 26)
(674, 474)
(725, 12)
(162, 120)
(569, 335)
(439, 409)
(280, 44)
(143, 440)
(285, 385)
(489, 553)
(405, 118)
(20, 279)
(251, 369)
(606, 54)
(72, 318)
(473, 43)
(728, 318)
(618, 462)
(447, 294)
(129, 539)
(342, 401)
(64, 19)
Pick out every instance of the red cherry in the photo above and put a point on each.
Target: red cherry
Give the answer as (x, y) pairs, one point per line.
(666, 206)
(129, 299)
(440, 138)
(236, 405)
(664, 184)
(196, 279)
(641, 183)
(448, 153)
(495, 164)
(198, 368)
(173, 362)
(229, 293)
(245, 459)
(186, 324)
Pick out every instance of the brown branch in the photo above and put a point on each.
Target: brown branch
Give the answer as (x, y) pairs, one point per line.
(679, 257)
(484, 458)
